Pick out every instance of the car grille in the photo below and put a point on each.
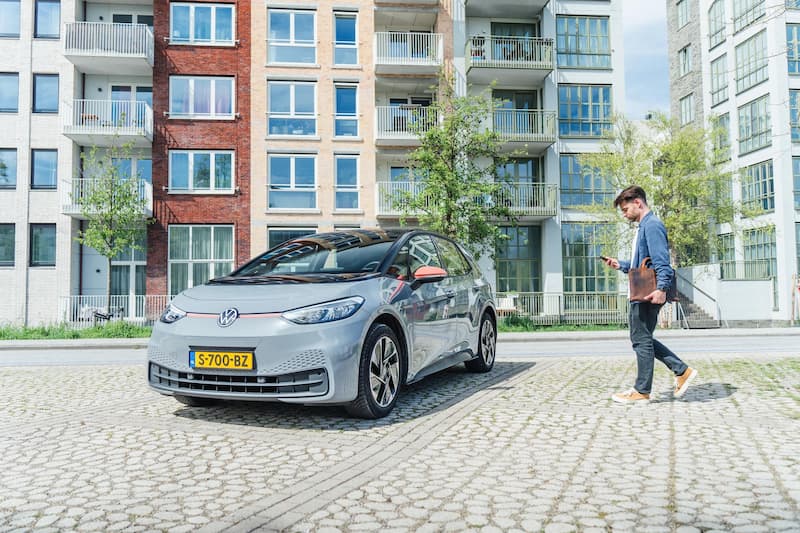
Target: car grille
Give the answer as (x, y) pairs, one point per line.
(306, 383)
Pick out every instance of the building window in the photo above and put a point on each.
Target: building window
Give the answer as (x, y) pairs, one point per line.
(201, 97)
(727, 256)
(760, 256)
(292, 181)
(210, 24)
(796, 180)
(794, 114)
(8, 168)
(745, 12)
(346, 182)
(797, 241)
(292, 36)
(751, 62)
(721, 136)
(685, 60)
(9, 18)
(583, 42)
(687, 109)
(48, 19)
(519, 260)
(758, 188)
(793, 47)
(793, 4)
(44, 169)
(584, 110)
(345, 45)
(346, 121)
(754, 125)
(279, 236)
(198, 253)
(719, 80)
(9, 92)
(581, 186)
(45, 93)
(292, 108)
(581, 247)
(683, 13)
(716, 23)
(43, 245)
(200, 171)
(6, 245)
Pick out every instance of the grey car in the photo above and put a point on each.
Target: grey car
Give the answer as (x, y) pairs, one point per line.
(346, 318)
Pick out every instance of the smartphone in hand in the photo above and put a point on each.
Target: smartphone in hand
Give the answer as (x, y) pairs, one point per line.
(603, 258)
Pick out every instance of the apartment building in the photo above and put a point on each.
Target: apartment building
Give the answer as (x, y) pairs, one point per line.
(254, 123)
(737, 63)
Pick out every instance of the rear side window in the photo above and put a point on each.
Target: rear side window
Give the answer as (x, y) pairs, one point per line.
(422, 252)
(452, 259)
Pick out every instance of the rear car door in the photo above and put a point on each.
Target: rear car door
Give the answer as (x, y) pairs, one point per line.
(457, 286)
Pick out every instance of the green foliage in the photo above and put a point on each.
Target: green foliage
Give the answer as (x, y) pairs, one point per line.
(110, 330)
(461, 193)
(676, 167)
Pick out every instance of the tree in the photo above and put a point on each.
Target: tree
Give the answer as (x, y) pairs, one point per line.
(677, 167)
(460, 192)
(113, 205)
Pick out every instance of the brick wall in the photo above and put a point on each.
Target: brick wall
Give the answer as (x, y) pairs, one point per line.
(171, 134)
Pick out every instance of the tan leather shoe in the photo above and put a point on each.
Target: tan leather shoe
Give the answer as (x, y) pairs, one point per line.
(682, 381)
(630, 395)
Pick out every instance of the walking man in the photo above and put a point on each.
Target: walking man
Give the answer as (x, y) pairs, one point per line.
(650, 241)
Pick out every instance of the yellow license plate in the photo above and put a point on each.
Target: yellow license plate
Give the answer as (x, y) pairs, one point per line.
(224, 360)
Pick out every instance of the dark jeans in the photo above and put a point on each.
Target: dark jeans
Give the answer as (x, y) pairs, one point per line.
(642, 319)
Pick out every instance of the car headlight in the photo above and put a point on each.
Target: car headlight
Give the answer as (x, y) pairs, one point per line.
(172, 314)
(327, 312)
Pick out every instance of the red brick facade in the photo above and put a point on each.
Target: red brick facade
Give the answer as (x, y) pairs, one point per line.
(172, 134)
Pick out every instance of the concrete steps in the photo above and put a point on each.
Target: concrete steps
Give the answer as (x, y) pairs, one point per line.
(696, 318)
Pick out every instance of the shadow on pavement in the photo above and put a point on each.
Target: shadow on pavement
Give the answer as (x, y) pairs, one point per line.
(706, 392)
(424, 398)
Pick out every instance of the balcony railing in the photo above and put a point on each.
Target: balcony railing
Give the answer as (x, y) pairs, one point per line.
(409, 48)
(110, 117)
(523, 199)
(86, 311)
(510, 52)
(109, 40)
(525, 125)
(567, 308)
(403, 122)
(82, 187)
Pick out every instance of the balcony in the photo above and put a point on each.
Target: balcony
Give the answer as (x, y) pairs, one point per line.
(517, 60)
(109, 123)
(105, 48)
(533, 128)
(82, 187)
(408, 53)
(511, 9)
(401, 126)
(530, 200)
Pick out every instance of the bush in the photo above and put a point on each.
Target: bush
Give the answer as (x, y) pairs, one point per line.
(110, 330)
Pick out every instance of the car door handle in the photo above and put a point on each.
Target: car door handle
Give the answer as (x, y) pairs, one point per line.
(450, 293)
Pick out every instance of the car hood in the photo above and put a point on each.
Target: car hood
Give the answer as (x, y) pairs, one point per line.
(269, 298)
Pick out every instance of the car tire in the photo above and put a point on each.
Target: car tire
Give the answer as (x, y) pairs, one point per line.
(487, 347)
(194, 401)
(379, 374)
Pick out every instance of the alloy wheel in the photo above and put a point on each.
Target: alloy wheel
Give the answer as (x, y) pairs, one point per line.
(488, 342)
(384, 371)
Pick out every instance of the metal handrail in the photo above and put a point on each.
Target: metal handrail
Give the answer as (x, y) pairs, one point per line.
(719, 318)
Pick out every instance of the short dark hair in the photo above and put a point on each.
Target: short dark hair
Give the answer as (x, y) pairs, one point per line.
(630, 193)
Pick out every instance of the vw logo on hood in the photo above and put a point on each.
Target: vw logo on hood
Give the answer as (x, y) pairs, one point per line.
(228, 317)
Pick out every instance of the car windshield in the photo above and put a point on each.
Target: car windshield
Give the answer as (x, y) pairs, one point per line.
(334, 253)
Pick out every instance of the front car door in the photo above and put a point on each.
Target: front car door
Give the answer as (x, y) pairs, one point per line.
(459, 284)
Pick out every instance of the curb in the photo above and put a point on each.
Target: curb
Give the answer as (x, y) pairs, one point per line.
(74, 344)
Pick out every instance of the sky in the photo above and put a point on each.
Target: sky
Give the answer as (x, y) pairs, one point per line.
(646, 67)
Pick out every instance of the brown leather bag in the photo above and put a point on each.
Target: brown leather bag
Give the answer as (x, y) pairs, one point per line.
(641, 282)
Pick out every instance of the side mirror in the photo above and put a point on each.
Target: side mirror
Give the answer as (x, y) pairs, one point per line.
(428, 274)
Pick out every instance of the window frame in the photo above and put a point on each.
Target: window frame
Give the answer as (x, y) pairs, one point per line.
(345, 45)
(13, 248)
(213, 115)
(583, 266)
(10, 75)
(757, 186)
(598, 193)
(13, 179)
(212, 262)
(603, 120)
(722, 143)
(32, 248)
(33, 184)
(686, 106)
(212, 189)
(685, 60)
(752, 66)
(746, 12)
(344, 118)
(793, 48)
(292, 42)
(796, 184)
(719, 80)
(509, 278)
(292, 114)
(3, 16)
(716, 24)
(192, 40)
(36, 34)
(749, 121)
(598, 57)
(346, 189)
(35, 84)
(682, 10)
(292, 187)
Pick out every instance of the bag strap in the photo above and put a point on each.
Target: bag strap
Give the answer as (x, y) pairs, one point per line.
(644, 263)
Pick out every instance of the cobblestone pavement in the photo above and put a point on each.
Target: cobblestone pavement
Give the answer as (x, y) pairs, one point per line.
(536, 445)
